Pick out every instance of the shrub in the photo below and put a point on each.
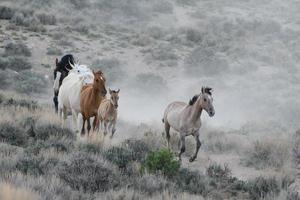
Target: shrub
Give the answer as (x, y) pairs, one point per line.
(151, 184)
(53, 51)
(30, 82)
(55, 143)
(30, 165)
(87, 173)
(216, 171)
(47, 19)
(163, 53)
(28, 20)
(14, 63)
(261, 187)
(9, 156)
(46, 131)
(193, 35)
(119, 156)
(138, 148)
(12, 135)
(17, 49)
(162, 161)
(267, 155)
(90, 148)
(163, 7)
(6, 12)
(218, 142)
(24, 103)
(191, 181)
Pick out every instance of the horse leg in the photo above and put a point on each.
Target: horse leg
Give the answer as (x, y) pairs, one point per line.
(95, 123)
(198, 145)
(113, 129)
(55, 100)
(182, 145)
(75, 120)
(64, 116)
(167, 129)
(88, 125)
(105, 127)
(83, 126)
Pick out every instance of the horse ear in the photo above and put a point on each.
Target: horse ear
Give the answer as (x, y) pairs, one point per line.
(202, 90)
(93, 72)
(118, 90)
(110, 91)
(56, 61)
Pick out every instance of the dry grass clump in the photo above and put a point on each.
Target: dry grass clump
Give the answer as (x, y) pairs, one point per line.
(267, 154)
(10, 192)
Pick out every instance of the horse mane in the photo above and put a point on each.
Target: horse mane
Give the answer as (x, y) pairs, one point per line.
(193, 100)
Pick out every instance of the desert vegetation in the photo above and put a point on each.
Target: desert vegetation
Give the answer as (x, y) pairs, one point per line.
(155, 52)
(41, 158)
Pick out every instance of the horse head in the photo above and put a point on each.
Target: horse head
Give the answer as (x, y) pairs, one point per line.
(207, 101)
(114, 97)
(99, 82)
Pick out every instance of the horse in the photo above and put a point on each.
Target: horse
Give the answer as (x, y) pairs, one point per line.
(108, 112)
(90, 98)
(60, 72)
(185, 118)
(69, 91)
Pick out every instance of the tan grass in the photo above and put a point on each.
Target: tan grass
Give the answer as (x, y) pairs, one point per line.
(10, 192)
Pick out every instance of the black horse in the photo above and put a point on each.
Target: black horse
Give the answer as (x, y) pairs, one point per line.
(63, 66)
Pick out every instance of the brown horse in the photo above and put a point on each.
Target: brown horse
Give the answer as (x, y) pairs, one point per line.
(90, 98)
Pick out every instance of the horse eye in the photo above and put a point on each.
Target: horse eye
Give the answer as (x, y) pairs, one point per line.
(205, 99)
(78, 71)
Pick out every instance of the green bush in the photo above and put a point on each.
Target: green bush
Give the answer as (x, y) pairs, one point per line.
(162, 161)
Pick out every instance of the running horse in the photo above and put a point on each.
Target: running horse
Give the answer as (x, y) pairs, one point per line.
(60, 72)
(185, 118)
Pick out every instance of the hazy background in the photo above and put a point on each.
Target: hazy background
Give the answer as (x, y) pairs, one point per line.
(164, 50)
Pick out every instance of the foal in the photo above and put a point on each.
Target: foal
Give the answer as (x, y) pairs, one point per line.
(107, 112)
(90, 98)
(185, 118)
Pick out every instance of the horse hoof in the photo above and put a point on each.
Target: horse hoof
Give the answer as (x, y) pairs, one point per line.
(192, 159)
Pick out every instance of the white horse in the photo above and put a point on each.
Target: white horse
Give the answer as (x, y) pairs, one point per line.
(185, 118)
(69, 92)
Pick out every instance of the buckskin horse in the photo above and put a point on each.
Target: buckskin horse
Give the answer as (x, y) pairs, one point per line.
(185, 118)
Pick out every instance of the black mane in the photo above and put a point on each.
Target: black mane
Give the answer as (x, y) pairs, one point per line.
(193, 100)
